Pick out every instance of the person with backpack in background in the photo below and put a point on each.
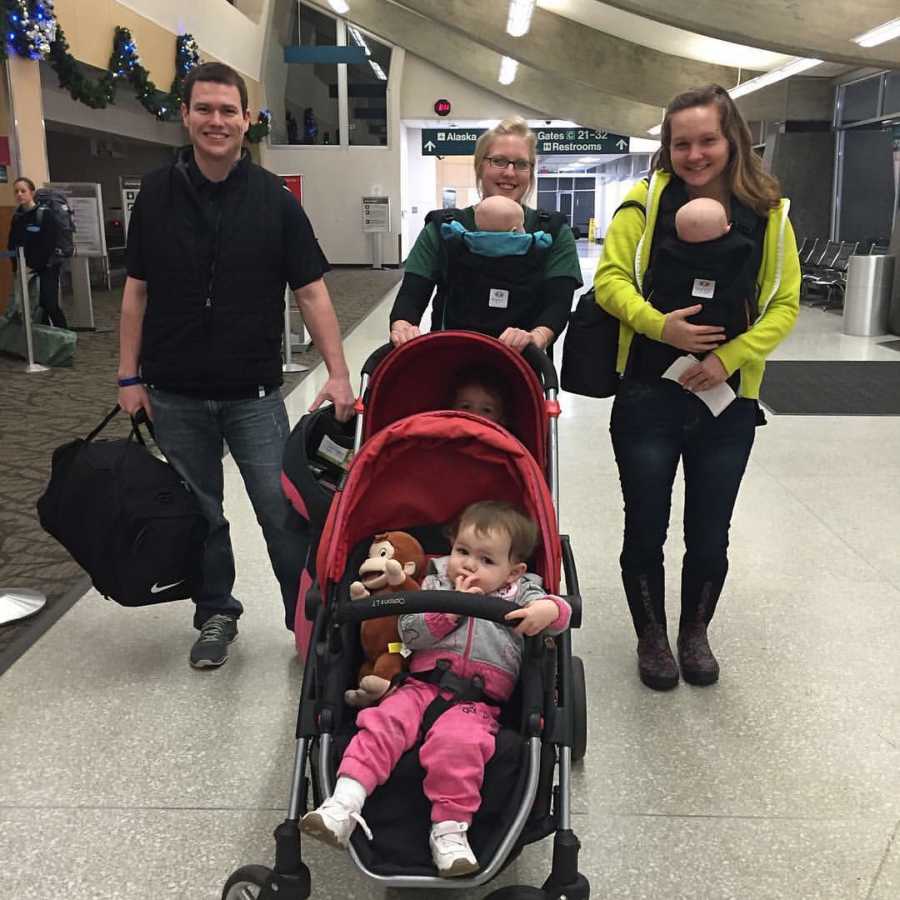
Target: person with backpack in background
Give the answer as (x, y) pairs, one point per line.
(672, 403)
(521, 304)
(35, 228)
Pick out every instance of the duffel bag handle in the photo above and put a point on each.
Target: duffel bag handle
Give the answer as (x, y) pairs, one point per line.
(136, 421)
(103, 424)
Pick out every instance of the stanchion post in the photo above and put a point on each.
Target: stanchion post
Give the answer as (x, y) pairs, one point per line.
(31, 366)
(289, 365)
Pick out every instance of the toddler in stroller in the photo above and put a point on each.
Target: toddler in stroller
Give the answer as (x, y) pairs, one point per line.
(418, 464)
(491, 544)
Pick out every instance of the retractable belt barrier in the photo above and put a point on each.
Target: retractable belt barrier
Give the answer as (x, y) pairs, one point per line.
(19, 603)
(19, 254)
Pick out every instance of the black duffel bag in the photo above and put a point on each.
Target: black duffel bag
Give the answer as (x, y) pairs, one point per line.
(127, 518)
(590, 349)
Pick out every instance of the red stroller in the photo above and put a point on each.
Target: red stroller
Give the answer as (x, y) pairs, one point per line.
(415, 470)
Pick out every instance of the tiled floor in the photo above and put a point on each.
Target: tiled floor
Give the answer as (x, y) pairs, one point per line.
(125, 774)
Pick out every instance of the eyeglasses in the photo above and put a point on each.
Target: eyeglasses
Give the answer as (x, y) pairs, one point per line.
(501, 162)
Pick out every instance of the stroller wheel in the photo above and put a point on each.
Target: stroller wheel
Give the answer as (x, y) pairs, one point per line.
(579, 710)
(517, 892)
(246, 883)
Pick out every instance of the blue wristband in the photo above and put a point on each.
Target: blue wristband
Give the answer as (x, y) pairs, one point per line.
(128, 382)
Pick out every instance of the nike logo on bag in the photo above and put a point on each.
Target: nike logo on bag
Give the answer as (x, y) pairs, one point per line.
(159, 588)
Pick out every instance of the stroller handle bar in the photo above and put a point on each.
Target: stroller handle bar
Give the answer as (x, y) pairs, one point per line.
(537, 359)
(406, 602)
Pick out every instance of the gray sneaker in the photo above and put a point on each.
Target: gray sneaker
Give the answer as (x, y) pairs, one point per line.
(211, 648)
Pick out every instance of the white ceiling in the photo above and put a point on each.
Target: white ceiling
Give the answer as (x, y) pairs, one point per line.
(665, 38)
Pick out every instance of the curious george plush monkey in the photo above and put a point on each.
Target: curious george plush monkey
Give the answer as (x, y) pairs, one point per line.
(396, 562)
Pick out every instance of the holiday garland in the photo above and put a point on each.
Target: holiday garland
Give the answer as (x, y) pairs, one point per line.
(33, 32)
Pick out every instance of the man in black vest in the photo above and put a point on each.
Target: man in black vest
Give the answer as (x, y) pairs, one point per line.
(213, 239)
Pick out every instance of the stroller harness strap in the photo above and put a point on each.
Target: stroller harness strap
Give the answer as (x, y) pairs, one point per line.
(461, 690)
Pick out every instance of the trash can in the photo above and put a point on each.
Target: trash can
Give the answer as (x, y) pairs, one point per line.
(867, 300)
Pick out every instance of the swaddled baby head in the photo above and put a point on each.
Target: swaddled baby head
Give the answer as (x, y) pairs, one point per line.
(499, 214)
(703, 219)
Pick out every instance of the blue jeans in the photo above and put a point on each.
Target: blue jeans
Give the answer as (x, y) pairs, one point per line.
(655, 424)
(192, 432)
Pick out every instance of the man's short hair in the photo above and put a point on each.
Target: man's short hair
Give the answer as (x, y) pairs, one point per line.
(220, 74)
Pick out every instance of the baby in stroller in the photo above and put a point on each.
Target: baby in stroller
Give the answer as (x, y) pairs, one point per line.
(481, 390)
(490, 547)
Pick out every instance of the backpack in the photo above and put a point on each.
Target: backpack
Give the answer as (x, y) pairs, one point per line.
(590, 349)
(126, 517)
(54, 202)
(591, 344)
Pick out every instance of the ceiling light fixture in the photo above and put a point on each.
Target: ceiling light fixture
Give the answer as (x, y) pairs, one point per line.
(795, 67)
(341, 7)
(519, 20)
(508, 69)
(379, 72)
(878, 35)
(656, 129)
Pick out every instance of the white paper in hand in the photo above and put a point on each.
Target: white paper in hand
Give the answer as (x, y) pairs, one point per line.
(717, 398)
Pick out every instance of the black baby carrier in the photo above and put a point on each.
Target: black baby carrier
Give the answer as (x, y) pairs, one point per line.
(720, 275)
(127, 518)
(490, 293)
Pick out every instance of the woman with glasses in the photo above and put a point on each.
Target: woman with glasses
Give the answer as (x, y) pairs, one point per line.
(534, 311)
(704, 415)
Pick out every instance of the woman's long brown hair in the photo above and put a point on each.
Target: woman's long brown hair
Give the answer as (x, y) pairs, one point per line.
(748, 181)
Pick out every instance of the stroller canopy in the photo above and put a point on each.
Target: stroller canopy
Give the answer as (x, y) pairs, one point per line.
(420, 376)
(424, 470)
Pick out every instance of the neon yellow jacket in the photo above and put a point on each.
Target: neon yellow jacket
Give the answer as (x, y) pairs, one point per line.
(626, 255)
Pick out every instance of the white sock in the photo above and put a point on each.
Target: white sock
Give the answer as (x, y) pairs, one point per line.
(350, 793)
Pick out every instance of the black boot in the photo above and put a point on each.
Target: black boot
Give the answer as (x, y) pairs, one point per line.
(699, 596)
(646, 602)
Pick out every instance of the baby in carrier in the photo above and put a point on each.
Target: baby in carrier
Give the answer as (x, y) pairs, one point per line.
(704, 263)
(491, 544)
(494, 271)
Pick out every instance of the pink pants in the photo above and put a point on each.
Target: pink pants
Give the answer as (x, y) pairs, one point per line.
(453, 754)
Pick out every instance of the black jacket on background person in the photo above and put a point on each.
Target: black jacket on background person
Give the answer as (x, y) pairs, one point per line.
(38, 238)
(216, 257)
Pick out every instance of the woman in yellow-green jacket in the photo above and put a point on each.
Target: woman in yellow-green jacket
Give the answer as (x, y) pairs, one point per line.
(657, 421)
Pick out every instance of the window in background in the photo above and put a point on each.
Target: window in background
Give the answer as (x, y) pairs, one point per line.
(867, 184)
(859, 100)
(367, 90)
(891, 105)
(312, 87)
(325, 101)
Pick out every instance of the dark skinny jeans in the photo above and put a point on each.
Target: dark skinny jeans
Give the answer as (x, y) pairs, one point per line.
(654, 424)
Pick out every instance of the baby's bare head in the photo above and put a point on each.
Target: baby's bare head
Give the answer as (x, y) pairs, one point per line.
(499, 214)
(703, 219)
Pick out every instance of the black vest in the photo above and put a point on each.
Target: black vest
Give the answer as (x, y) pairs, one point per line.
(214, 320)
(490, 293)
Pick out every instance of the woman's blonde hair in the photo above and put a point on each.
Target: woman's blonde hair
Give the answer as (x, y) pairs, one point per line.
(747, 179)
(516, 126)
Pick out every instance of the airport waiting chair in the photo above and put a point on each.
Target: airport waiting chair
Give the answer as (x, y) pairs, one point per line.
(814, 251)
(833, 281)
(819, 264)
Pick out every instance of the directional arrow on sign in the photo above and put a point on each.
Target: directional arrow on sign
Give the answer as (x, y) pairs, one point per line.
(622, 144)
(430, 145)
